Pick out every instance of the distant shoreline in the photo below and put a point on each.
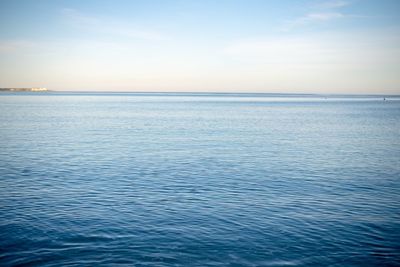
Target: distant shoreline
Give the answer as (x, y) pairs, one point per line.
(31, 89)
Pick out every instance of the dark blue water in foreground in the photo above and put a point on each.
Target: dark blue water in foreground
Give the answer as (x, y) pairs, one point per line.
(199, 180)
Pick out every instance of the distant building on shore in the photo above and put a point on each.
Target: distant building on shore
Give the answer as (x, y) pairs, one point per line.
(38, 89)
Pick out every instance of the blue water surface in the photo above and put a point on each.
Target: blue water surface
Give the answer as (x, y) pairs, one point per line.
(129, 179)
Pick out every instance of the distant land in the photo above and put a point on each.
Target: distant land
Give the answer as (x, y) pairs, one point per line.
(33, 89)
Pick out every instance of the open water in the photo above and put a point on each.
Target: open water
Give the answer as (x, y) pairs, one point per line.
(128, 179)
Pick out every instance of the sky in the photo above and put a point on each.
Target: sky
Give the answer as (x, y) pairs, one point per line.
(285, 46)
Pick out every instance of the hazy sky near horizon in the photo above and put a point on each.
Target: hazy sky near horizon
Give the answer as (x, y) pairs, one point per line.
(304, 46)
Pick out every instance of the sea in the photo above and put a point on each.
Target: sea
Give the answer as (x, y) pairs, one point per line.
(199, 179)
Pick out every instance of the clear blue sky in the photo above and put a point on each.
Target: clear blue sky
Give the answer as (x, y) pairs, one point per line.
(327, 46)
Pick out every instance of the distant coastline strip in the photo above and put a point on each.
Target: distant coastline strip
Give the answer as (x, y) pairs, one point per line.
(33, 89)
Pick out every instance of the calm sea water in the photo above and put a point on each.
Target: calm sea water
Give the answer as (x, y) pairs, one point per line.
(199, 180)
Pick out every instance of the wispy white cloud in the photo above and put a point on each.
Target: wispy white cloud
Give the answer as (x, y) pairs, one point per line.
(109, 26)
(322, 12)
(313, 18)
(332, 4)
(323, 16)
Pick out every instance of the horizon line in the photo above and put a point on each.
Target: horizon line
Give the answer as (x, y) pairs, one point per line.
(213, 92)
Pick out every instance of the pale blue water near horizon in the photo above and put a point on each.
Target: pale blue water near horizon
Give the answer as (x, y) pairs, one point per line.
(131, 179)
